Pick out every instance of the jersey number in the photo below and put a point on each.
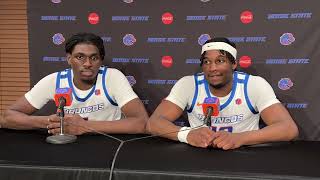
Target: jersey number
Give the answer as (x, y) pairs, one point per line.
(226, 128)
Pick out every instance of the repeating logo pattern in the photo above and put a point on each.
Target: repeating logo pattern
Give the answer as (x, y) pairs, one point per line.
(157, 43)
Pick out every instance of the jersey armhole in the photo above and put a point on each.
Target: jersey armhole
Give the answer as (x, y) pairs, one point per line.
(195, 94)
(246, 95)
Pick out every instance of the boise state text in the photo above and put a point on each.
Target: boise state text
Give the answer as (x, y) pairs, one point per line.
(84, 110)
(223, 120)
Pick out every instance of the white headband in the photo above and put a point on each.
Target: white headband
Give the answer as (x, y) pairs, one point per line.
(220, 46)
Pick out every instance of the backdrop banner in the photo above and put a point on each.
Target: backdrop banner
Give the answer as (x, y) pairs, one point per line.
(155, 43)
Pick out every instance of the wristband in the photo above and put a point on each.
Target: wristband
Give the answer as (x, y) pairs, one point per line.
(183, 133)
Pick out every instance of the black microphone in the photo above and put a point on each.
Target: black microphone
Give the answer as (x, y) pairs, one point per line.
(62, 97)
(207, 119)
(60, 109)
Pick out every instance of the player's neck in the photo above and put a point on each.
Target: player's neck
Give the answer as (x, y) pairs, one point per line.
(84, 84)
(221, 91)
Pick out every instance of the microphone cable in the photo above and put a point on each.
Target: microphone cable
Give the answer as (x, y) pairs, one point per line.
(122, 142)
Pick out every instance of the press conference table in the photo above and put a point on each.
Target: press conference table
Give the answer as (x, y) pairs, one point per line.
(26, 155)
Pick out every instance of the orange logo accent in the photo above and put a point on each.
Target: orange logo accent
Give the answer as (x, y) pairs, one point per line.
(198, 104)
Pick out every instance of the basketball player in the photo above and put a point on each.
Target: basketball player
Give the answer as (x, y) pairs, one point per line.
(100, 95)
(243, 100)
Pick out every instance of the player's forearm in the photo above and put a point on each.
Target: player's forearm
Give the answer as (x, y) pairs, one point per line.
(16, 120)
(126, 126)
(281, 131)
(162, 127)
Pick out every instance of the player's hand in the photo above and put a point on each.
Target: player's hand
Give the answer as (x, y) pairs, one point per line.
(73, 124)
(201, 137)
(47, 121)
(226, 140)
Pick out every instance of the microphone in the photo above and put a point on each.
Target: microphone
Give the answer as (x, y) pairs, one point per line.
(62, 97)
(210, 107)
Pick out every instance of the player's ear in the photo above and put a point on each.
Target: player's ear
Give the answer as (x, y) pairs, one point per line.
(234, 65)
(69, 58)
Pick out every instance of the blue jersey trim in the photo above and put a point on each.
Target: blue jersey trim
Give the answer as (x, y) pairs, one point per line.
(105, 88)
(206, 87)
(241, 81)
(201, 81)
(58, 80)
(195, 93)
(233, 91)
(73, 91)
(59, 77)
(63, 76)
(246, 95)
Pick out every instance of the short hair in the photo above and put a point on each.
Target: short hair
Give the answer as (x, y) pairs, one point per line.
(87, 38)
(226, 53)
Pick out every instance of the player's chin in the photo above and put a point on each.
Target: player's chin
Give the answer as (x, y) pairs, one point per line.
(216, 85)
(88, 76)
(88, 79)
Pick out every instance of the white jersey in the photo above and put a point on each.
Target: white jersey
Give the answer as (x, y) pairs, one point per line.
(239, 110)
(102, 102)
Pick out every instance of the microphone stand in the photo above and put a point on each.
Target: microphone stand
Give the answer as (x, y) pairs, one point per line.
(61, 138)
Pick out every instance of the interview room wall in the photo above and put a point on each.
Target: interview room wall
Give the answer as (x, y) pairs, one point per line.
(14, 53)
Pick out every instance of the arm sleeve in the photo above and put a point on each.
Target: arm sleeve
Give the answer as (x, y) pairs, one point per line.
(182, 92)
(261, 93)
(42, 92)
(119, 87)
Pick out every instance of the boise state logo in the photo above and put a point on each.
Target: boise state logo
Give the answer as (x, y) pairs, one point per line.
(285, 83)
(203, 38)
(58, 39)
(132, 80)
(287, 39)
(129, 40)
(56, 1)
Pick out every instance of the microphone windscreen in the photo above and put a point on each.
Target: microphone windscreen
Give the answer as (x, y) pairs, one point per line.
(66, 93)
(211, 102)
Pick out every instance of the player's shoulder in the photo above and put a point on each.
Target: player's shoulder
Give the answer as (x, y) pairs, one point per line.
(255, 78)
(114, 71)
(186, 79)
(51, 76)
